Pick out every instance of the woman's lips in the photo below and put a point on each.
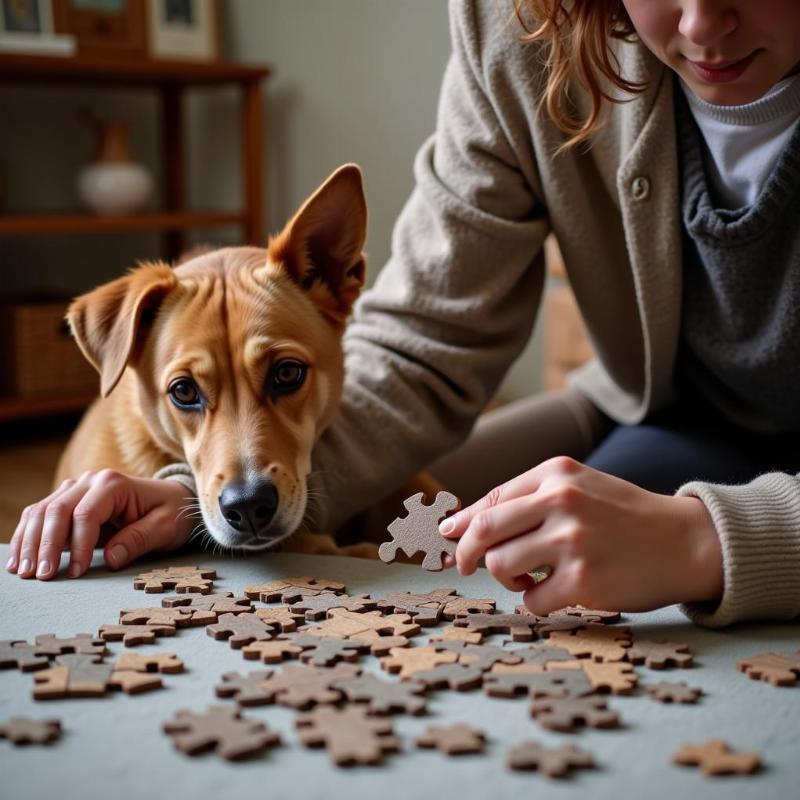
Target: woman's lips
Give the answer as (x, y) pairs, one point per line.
(722, 71)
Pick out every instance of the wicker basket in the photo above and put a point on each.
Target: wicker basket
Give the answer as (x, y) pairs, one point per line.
(39, 355)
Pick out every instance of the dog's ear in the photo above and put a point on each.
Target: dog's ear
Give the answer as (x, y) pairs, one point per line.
(109, 322)
(321, 246)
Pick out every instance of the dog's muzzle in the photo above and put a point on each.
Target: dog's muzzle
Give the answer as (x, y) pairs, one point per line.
(249, 506)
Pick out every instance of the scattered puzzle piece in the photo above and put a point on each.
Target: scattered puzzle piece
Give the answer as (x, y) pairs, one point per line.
(617, 677)
(461, 606)
(419, 531)
(661, 654)
(426, 609)
(521, 627)
(177, 617)
(273, 651)
(779, 669)
(456, 740)
(292, 590)
(77, 675)
(591, 613)
(371, 627)
(715, 757)
(218, 603)
(22, 730)
(180, 579)
(674, 692)
(350, 736)
(301, 686)
(153, 662)
(508, 681)
(554, 762)
(561, 622)
(483, 656)
(566, 713)
(22, 655)
(132, 635)
(222, 729)
(282, 617)
(247, 690)
(450, 676)
(541, 654)
(241, 629)
(48, 644)
(408, 661)
(384, 697)
(318, 606)
(323, 651)
(597, 642)
(453, 634)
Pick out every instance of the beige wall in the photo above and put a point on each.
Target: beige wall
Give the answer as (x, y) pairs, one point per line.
(354, 80)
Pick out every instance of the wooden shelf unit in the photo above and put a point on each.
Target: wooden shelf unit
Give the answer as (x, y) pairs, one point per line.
(170, 79)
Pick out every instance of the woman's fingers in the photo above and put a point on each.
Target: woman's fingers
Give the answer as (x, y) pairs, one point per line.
(56, 527)
(555, 592)
(495, 525)
(140, 537)
(512, 561)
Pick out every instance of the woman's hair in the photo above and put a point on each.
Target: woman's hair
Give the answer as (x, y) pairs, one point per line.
(577, 37)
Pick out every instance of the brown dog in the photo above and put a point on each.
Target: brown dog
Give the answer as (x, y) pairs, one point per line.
(231, 362)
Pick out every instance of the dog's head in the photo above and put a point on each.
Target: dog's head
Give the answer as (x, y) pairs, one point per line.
(238, 359)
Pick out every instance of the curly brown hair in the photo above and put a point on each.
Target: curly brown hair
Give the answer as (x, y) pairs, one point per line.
(577, 36)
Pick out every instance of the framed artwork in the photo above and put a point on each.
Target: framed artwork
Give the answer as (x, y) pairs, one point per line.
(26, 26)
(107, 28)
(184, 29)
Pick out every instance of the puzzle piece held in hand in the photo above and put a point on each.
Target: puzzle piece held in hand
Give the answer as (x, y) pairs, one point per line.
(222, 729)
(180, 579)
(350, 736)
(418, 531)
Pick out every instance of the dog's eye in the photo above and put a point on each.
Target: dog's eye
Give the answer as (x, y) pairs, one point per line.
(184, 393)
(287, 376)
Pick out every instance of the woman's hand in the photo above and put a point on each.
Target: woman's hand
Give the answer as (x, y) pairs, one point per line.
(609, 544)
(145, 513)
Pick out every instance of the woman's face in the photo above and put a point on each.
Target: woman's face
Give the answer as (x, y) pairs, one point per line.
(729, 52)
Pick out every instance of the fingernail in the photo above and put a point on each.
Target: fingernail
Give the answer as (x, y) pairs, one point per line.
(12, 562)
(447, 526)
(43, 569)
(118, 555)
(24, 566)
(74, 569)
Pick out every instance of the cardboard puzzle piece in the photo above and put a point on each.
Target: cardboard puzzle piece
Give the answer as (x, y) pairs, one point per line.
(370, 627)
(779, 669)
(282, 617)
(350, 735)
(616, 677)
(177, 617)
(324, 651)
(455, 740)
(450, 676)
(591, 614)
(23, 730)
(521, 627)
(384, 697)
(566, 713)
(509, 681)
(217, 603)
(425, 609)
(132, 635)
(482, 656)
(541, 654)
(242, 629)
(247, 690)
(661, 654)
(301, 686)
(408, 661)
(554, 762)
(77, 675)
(152, 662)
(560, 622)
(180, 579)
(461, 606)
(271, 652)
(453, 634)
(418, 531)
(292, 590)
(222, 729)
(715, 757)
(22, 655)
(317, 607)
(674, 692)
(598, 642)
(48, 644)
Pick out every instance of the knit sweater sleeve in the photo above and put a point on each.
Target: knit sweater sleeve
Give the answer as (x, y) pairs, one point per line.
(455, 303)
(759, 529)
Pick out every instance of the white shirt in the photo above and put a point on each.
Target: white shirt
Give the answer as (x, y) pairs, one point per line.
(743, 143)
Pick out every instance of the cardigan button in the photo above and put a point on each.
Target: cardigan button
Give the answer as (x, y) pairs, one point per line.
(640, 188)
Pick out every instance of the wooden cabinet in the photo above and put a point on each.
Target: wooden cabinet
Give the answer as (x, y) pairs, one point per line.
(170, 80)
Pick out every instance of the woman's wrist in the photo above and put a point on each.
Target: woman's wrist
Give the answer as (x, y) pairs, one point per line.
(703, 576)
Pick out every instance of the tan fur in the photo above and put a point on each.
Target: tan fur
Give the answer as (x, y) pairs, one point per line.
(223, 318)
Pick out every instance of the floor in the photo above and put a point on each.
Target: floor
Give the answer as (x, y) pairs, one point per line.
(28, 457)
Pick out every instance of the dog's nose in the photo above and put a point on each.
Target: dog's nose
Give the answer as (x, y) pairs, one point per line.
(249, 506)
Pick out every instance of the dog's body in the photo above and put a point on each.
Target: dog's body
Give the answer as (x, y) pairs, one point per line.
(231, 362)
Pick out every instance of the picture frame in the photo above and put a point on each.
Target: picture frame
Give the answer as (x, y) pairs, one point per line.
(104, 28)
(26, 27)
(184, 29)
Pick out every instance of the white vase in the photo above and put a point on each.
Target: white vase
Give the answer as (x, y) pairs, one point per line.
(113, 183)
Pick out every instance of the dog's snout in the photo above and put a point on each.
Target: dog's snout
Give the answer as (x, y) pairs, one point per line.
(249, 506)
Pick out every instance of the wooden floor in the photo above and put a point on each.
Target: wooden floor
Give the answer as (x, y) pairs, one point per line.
(28, 457)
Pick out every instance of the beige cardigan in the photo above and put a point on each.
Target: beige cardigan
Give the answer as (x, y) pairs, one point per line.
(456, 302)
